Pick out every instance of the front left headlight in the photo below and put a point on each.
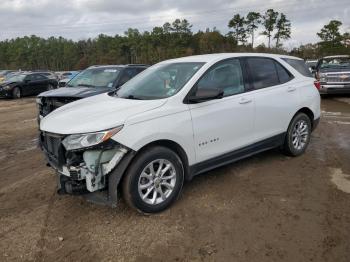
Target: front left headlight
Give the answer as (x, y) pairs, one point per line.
(7, 87)
(322, 77)
(78, 141)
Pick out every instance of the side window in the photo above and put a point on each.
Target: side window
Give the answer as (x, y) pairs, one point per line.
(225, 76)
(263, 72)
(38, 77)
(283, 75)
(29, 78)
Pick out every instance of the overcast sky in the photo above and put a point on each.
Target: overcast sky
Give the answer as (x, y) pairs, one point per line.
(80, 19)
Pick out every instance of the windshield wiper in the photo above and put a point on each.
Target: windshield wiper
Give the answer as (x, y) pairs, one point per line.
(134, 97)
(86, 85)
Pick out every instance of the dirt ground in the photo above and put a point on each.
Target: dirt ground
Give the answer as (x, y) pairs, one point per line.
(266, 208)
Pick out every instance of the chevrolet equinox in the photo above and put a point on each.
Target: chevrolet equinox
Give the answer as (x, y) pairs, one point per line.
(175, 120)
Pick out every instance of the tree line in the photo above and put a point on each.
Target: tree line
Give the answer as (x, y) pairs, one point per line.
(170, 40)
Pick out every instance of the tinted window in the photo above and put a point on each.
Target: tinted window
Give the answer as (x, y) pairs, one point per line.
(298, 65)
(283, 75)
(225, 76)
(39, 77)
(263, 72)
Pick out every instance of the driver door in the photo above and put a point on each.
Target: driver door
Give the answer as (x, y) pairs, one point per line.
(223, 125)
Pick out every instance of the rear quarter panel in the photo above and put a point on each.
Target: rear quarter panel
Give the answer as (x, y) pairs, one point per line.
(309, 96)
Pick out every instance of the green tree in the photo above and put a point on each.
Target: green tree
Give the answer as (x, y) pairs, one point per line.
(284, 29)
(253, 20)
(239, 30)
(269, 23)
(330, 33)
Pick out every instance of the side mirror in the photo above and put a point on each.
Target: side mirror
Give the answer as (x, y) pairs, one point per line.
(26, 80)
(206, 94)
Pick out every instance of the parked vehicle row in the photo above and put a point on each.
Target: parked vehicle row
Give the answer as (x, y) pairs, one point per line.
(177, 119)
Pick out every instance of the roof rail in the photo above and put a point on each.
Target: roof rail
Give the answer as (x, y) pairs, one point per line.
(137, 65)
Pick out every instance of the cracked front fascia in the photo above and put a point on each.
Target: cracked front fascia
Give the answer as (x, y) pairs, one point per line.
(104, 160)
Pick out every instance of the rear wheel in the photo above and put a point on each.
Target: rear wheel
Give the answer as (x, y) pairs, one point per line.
(298, 135)
(154, 180)
(16, 93)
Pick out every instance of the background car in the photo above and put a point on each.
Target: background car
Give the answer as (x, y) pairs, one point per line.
(67, 77)
(311, 64)
(26, 84)
(333, 75)
(92, 81)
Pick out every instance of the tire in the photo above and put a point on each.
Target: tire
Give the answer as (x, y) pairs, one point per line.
(298, 135)
(50, 87)
(142, 188)
(16, 93)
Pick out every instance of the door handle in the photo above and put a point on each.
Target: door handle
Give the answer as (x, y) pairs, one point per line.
(244, 100)
(291, 89)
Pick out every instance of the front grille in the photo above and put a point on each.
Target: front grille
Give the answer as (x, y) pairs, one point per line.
(52, 146)
(338, 78)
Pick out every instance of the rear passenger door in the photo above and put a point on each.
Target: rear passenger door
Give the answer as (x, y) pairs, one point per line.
(275, 95)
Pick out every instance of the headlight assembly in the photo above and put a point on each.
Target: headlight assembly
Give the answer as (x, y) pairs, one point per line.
(322, 77)
(78, 141)
(7, 87)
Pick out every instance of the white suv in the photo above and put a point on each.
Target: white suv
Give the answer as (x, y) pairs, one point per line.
(177, 119)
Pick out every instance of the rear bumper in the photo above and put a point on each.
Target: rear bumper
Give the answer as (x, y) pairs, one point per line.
(335, 88)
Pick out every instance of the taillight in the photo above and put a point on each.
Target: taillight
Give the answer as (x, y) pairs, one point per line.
(317, 84)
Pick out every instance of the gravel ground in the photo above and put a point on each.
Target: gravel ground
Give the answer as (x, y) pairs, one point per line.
(266, 208)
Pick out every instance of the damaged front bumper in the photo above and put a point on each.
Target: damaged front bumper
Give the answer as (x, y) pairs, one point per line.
(92, 172)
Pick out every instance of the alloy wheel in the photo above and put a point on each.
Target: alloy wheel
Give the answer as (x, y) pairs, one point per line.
(300, 134)
(157, 181)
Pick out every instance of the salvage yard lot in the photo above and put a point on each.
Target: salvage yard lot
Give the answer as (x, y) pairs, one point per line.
(266, 208)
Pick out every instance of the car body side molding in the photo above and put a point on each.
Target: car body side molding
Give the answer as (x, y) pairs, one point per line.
(236, 155)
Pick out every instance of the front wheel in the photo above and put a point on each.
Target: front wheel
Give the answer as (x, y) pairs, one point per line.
(16, 93)
(298, 135)
(154, 180)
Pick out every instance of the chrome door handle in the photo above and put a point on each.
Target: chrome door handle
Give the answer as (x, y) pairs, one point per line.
(291, 89)
(245, 100)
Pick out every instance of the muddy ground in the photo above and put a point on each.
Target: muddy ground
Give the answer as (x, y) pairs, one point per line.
(266, 208)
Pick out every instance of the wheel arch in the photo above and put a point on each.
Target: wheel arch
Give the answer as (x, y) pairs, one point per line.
(174, 146)
(307, 111)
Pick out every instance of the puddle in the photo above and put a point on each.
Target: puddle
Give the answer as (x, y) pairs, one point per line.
(340, 180)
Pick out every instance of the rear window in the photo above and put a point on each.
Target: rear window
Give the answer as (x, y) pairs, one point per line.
(299, 65)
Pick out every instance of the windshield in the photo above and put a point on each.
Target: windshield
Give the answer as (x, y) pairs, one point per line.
(159, 81)
(16, 78)
(96, 77)
(335, 62)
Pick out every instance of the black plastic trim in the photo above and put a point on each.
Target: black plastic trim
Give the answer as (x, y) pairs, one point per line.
(236, 155)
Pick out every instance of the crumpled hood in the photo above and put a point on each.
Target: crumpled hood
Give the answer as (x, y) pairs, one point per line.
(95, 113)
(74, 92)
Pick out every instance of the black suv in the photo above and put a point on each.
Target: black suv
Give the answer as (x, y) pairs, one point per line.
(92, 81)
